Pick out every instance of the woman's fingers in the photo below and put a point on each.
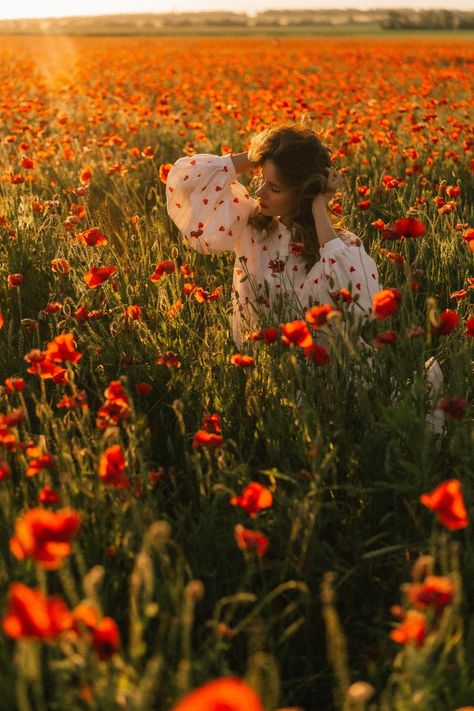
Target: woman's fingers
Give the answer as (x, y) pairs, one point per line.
(334, 178)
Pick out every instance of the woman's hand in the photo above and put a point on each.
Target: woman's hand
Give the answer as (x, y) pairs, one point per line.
(334, 180)
(242, 162)
(322, 223)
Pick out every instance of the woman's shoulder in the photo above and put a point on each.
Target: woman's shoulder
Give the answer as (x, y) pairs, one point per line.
(349, 238)
(200, 159)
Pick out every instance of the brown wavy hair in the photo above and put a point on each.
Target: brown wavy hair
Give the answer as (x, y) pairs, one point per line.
(301, 159)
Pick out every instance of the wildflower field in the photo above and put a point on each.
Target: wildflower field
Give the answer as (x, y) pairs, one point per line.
(187, 527)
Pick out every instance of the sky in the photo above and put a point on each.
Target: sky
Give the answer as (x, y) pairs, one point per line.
(62, 8)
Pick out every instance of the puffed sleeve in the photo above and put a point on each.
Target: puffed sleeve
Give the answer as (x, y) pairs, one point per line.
(206, 202)
(346, 265)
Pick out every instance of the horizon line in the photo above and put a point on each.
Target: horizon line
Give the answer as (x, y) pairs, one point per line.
(351, 8)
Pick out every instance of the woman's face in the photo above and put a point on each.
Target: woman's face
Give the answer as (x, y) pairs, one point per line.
(274, 198)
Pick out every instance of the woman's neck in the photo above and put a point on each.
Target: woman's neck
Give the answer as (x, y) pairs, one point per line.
(286, 221)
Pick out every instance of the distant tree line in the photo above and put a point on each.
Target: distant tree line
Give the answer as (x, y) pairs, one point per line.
(155, 23)
(428, 20)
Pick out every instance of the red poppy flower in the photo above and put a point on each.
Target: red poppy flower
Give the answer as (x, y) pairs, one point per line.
(212, 423)
(202, 296)
(52, 307)
(389, 233)
(63, 348)
(385, 303)
(172, 360)
(74, 402)
(434, 591)
(98, 275)
(468, 236)
(385, 338)
(92, 237)
(163, 171)
(96, 314)
(397, 259)
(13, 418)
(45, 536)
(254, 498)
(174, 309)
(317, 354)
(452, 191)
(85, 617)
(133, 312)
(112, 467)
(364, 204)
(241, 360)
(470, 327)
(248, 540)
(410, 227)
(448, 207)
(412, 630)
(342, 295)
(202, 438)
(459, 295)
(43, 367)
(81, 314)
(29, 613)
(48, 496)
(448, 502)
(447, 322)
(318, 315)
(14, 385)
(85, 175)
(296, 332)
(60, 266)
(39, 461)
(187, 271)
(5, 470)
(15, 280)
(166, 267)
(27, 163)
(143, 389)
(390, 182)
(416, 332)
(77, 213)
(226, 694)
(453, 406)
(106, 638)
(268, 335)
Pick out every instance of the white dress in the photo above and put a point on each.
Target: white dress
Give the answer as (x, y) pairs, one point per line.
(270, 282)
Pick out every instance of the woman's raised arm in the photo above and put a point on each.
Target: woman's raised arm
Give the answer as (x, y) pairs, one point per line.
(324, 228)
(241, 162)
(206, 202)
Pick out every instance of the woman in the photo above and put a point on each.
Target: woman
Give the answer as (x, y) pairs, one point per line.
(288, 254)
